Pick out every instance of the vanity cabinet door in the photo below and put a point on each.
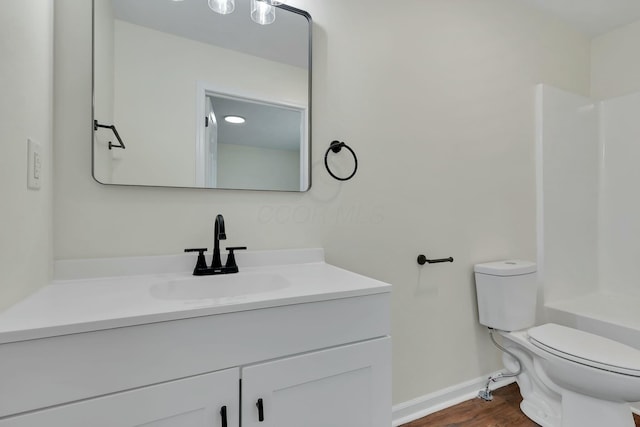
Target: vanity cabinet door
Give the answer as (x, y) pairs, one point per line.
(192, 402)
(347, 386)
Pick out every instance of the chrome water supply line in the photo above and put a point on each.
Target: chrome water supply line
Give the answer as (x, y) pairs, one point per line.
(486, 393)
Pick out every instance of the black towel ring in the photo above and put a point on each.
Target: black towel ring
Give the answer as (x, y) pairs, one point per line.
(336, 146)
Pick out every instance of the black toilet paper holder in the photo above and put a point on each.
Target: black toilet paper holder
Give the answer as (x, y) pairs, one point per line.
(422, 260)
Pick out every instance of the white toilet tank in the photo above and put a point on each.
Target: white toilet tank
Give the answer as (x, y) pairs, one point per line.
(507, 294)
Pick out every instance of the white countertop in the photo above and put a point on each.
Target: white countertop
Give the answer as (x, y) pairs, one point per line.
(77, 302)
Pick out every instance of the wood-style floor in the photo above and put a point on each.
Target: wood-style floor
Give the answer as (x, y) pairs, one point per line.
(502, 411)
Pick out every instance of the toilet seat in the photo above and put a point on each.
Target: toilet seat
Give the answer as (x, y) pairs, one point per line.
(587, 349)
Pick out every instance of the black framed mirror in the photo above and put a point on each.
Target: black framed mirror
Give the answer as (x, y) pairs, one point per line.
(187, 97)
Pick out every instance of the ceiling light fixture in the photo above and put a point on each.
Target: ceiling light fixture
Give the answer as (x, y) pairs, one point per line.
(263, 12)
(223, 7)
(236, 120)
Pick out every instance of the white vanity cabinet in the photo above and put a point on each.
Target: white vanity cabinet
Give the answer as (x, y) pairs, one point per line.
(209, 400)
(307, 340)
(319, 364)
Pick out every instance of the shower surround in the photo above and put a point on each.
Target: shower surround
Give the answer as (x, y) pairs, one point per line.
(589, 211)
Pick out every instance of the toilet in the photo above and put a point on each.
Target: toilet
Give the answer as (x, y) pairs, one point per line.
(567, 377)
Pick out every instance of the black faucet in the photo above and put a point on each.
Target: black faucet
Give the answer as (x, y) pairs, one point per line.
(218, 234)
(201, 268)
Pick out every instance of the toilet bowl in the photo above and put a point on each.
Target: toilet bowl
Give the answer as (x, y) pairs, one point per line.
(567, 377)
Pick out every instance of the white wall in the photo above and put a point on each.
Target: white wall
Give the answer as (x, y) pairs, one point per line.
(436, 97)
(259, 168)
(26, 48)
(567, 193)
(156, 76)
(615, 62)
(619, 209)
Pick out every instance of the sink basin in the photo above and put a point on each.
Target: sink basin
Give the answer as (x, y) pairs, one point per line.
(221, 286)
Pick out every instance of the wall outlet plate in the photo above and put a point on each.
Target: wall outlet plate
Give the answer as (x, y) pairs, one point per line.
(34, 164)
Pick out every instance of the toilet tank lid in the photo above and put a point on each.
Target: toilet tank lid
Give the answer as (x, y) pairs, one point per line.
(511, 267)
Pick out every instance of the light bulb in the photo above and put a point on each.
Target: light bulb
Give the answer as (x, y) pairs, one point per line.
(223, 7)
(262, 12)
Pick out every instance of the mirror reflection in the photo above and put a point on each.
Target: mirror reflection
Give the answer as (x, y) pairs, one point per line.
(201, 99)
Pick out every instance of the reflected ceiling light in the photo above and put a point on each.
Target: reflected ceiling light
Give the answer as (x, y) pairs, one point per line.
(236, 120)
(263, 12)
(223, 7)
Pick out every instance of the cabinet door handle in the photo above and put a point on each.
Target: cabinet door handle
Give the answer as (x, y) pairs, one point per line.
(223, 414)
(260, 410)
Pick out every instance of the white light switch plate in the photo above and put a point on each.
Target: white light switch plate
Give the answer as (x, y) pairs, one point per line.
(34, 164)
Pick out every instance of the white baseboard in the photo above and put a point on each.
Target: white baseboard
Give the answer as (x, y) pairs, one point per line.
(422, 406)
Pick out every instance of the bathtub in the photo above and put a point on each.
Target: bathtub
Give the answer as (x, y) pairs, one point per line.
(609, 315)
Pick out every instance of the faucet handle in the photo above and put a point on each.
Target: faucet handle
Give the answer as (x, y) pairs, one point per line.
(231, 266)
(202, 262)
